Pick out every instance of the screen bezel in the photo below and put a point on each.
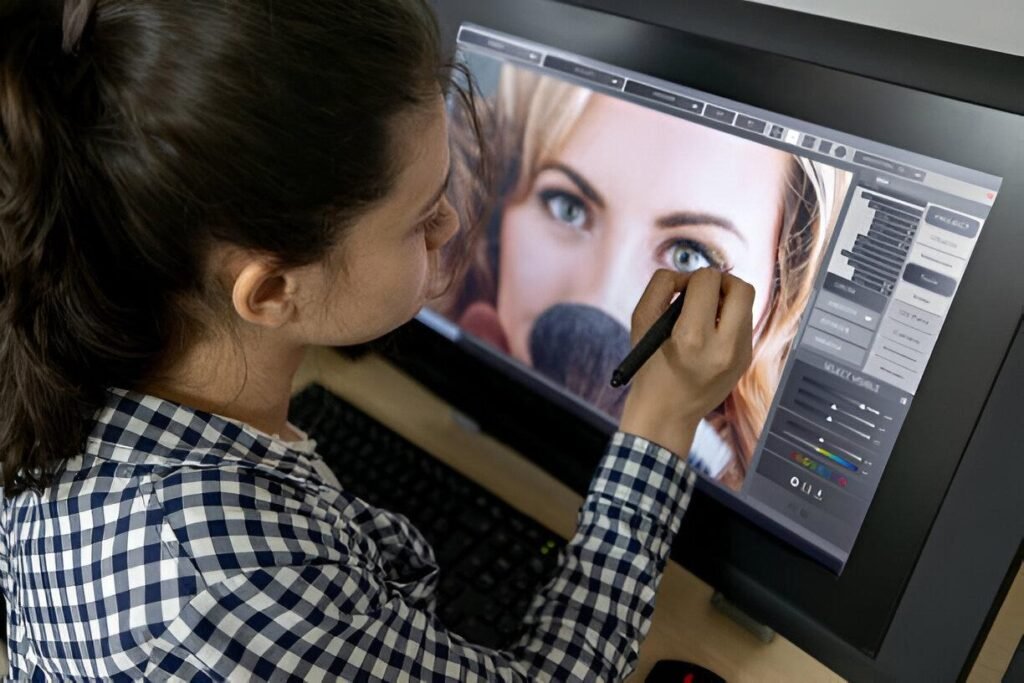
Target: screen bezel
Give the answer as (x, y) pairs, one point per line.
(716, 544)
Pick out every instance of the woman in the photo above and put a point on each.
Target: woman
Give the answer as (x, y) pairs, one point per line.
(593, 195)
(191, 194)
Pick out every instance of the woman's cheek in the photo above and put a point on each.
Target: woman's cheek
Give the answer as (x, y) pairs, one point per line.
(399, 282)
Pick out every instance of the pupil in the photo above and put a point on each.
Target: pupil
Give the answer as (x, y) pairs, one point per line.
(572, 211)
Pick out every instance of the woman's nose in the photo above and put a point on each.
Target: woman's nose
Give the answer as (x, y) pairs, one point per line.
(614, 281)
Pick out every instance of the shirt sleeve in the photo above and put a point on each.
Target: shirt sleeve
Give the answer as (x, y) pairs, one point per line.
(335, 620)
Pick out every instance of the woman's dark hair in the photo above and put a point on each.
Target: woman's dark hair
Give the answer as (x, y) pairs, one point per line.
(136, 134)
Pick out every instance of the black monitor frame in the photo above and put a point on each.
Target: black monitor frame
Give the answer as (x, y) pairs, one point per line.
(861, 623)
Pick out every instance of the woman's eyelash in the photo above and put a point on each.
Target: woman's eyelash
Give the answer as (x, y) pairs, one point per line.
(710, 254)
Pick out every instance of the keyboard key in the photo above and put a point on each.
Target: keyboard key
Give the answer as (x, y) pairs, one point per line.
(508, 625)
(478, 631)
(486, 581)
(501, 567)
(452, 549)
(516, 552)
(426, 515)
(522, 583)
(470, 602)
(505, 593)
(476, 522)
(520, 606)
(450, 615)
(492, 612)
(472, 566)
(449, 588)
(441, 527)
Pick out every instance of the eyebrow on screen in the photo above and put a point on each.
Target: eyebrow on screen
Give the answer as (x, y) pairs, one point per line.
(682, 219)
(677, 219)
(579, 181)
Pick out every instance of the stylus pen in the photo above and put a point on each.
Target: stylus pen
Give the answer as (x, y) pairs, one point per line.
(660, 331)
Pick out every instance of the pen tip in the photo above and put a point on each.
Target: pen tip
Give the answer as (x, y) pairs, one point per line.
(617, 380)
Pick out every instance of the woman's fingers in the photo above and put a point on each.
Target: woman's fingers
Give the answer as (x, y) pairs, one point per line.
(662, 288)
(717, 305)
(737, 309)
(696, 324)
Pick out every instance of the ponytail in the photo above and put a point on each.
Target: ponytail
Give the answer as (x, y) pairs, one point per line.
(45, 290)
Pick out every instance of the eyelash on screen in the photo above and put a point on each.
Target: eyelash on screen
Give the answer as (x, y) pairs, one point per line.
(711, 255)
(546, 196)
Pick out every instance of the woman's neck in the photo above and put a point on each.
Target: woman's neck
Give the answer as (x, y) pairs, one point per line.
(248, 381)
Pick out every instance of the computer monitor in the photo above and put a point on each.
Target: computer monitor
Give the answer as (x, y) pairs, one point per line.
(856, 250)
(875, 222)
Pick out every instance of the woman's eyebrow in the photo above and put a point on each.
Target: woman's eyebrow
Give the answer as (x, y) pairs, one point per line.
(680, 219)
(586, 188)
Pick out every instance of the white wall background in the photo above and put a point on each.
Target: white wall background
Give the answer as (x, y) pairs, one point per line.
(990, 24)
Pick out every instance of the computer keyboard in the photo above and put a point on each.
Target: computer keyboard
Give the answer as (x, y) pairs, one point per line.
(492, 558)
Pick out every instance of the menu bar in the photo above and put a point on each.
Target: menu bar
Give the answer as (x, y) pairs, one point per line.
(799, 141)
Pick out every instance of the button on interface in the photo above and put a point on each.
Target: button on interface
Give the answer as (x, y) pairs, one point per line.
(664, 97)
(750, 123)
(719, 114)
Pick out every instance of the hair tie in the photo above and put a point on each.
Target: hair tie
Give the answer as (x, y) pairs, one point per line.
(77, 18)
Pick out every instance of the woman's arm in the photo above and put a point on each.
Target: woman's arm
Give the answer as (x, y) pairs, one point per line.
(338, 619)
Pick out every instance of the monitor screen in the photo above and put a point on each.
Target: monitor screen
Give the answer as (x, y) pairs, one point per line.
(602, 175)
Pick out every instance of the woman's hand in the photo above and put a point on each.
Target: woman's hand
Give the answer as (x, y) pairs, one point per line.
(697, 367)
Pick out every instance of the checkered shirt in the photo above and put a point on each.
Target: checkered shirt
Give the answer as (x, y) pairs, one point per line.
(182, 545)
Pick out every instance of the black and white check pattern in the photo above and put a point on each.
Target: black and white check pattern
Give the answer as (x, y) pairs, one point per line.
(182, 545)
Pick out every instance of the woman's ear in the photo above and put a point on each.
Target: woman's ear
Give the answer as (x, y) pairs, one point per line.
(264, 294)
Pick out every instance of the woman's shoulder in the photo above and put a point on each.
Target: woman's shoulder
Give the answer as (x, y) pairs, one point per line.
(237, 516)
(226, 497)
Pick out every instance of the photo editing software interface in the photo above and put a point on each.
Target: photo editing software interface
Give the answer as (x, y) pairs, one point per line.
(856, 250)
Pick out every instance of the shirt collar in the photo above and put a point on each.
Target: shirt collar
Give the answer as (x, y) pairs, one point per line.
(140, 428)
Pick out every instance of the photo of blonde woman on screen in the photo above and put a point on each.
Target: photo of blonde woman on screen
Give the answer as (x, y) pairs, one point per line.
(592, 194)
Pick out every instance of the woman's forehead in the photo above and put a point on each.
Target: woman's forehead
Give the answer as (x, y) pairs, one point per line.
(632, 151)
(611, 125)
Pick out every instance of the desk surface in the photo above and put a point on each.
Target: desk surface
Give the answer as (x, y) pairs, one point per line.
(685, 626)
